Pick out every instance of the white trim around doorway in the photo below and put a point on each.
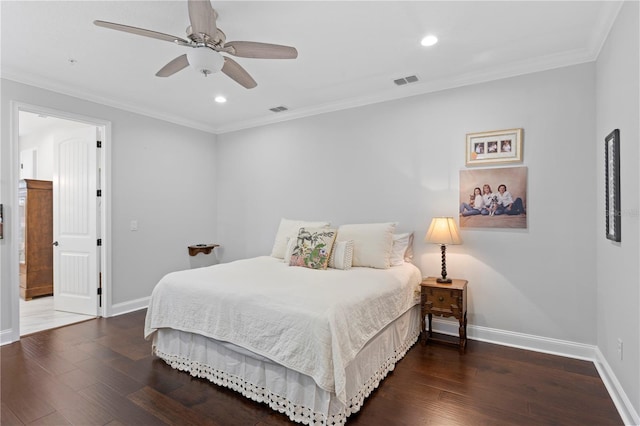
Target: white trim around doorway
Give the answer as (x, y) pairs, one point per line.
(105, 206)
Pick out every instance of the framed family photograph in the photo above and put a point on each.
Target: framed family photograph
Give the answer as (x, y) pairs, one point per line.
(495, 147)
(493, 198)
(612, 185)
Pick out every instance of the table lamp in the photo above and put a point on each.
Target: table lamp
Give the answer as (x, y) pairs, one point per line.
(443, 231)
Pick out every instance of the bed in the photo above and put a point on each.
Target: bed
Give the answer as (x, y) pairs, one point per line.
(311, 344)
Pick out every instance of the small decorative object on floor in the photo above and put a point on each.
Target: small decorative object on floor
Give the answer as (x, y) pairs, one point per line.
(201, 248)
(443, 231)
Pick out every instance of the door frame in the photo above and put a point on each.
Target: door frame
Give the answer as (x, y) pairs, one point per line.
(104, 226)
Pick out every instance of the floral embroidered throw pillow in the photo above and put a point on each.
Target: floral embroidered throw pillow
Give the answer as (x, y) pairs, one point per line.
(313, 248)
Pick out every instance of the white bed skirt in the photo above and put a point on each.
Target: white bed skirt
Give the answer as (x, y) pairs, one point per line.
(284, 390)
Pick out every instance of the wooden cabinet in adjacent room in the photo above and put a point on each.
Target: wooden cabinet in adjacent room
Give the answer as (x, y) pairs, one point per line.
(35, 199)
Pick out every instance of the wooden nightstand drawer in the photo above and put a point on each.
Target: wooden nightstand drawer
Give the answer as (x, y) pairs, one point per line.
(441, 301)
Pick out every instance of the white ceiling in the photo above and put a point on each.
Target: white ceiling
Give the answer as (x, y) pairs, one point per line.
(349, 52)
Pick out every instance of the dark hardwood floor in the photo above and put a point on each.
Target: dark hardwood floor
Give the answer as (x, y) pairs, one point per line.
(100, 372)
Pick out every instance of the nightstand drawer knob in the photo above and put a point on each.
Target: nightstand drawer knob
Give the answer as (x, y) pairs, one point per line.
(440, 299)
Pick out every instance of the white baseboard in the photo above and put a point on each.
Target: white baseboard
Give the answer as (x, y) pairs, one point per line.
(6, 336)
(620, 398)
(554, 347)
(130, 306)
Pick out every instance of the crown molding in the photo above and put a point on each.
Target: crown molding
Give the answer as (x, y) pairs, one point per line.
(575, 57)
(610, 11)
(63, 89)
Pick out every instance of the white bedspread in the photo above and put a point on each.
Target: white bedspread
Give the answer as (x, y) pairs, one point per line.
(311, 321)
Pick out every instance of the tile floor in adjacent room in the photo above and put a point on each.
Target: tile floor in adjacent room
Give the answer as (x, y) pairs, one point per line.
(38, 314)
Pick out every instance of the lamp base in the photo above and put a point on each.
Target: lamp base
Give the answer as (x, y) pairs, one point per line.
(444, 279)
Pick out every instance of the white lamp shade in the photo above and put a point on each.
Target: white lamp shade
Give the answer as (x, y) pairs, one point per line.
(443, 230)
(205, 61)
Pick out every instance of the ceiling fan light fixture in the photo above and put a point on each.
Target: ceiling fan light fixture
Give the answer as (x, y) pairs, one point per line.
(205, 42)
(205, 61)
(429, 40)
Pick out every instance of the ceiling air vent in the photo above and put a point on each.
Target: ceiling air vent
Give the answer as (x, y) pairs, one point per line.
(278, 109)
(406, 80)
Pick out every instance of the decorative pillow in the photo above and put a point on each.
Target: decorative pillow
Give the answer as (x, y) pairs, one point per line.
(402, 249)
(313, 248)
(341, 255)
(408, 254)
(289, 229)
(371, 243)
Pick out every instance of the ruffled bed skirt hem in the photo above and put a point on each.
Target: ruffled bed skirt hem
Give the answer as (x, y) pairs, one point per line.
(284, 390)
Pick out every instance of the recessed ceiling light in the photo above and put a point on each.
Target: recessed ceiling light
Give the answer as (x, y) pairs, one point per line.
(429, 40)
(220, 99)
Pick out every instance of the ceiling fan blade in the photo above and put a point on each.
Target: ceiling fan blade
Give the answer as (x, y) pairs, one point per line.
(202, 17)
(174, 66)
(252, 49)
(141, 31)
(238, 74)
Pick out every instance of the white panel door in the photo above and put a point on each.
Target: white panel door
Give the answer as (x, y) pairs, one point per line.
(75, 259)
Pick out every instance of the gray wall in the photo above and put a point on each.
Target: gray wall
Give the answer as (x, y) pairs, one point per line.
(618, 291)
(162, 175)
(400, 161)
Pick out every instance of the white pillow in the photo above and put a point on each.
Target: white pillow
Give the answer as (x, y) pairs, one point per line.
(401, 248)
(291, 245)
(372, 243)
(342, 255)
(289, 229)
(408, 255)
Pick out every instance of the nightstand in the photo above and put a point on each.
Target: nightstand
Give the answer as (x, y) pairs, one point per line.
(445, 300)
(201, 248)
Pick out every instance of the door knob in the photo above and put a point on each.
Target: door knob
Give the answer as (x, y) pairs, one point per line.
(55, 243)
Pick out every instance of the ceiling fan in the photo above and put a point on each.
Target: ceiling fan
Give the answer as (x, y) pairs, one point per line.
(203, 33)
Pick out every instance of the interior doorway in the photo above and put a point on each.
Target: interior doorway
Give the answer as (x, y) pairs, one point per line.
(53, 154)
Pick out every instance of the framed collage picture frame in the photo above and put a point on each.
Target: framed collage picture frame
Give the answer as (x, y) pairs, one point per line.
(612, 185)
(495, 147)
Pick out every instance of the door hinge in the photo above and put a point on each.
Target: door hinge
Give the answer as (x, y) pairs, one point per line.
(99, 193)
(99, 241)
(100, 289)
(99, 144)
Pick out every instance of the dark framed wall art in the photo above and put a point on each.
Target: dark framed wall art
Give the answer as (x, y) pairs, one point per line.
(612, 185)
